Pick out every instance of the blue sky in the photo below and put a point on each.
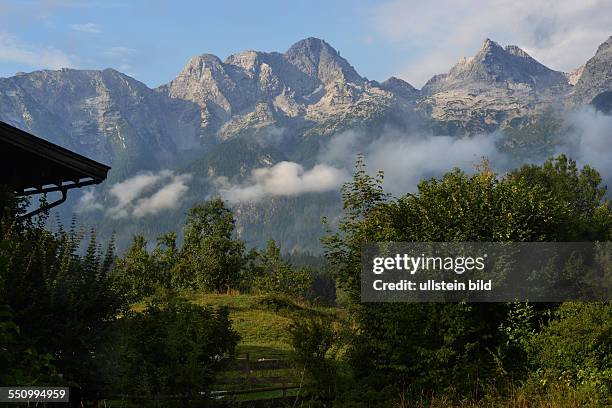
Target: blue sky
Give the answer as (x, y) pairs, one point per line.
(152, 40)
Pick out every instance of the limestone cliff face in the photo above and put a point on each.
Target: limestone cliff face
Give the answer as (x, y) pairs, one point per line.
(309, 89)
(101, 114)
(491, 89)
(596, 77)
(308, 84)
(495, 66)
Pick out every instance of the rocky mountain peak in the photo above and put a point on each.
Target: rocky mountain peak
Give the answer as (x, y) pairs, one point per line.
(605, 46)
(201, 63)
(249, 60)
(490, 46)
(596, 76)
(400, 87)
(312, 47)
(494, 65)
(318, 59)
(99, 113)
(202, 80)
(310, 79)
(489, 52)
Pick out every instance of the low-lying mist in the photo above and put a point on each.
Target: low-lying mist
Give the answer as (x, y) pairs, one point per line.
(408, 158)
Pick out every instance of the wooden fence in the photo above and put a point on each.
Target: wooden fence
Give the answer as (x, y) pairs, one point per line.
(249, 380)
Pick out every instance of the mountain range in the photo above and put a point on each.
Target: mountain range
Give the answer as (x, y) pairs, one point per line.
(220, 120)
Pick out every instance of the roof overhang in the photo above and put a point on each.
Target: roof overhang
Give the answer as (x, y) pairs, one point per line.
(31, 165)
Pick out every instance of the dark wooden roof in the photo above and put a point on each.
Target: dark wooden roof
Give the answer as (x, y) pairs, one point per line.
(32, 165)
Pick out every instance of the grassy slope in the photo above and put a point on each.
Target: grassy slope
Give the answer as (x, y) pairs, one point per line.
(263, 325)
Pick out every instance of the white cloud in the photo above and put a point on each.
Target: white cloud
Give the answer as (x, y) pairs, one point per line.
(561, 34)
(12, 50)
(88, 202)
(283, 179)
(166, 198)
(86, 28)
(148, 193)
(128, 190)
(407, 159)
(590, 141)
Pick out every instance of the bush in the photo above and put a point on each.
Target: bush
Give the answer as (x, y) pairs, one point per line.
(274, 275)
(575, 350)
(60, 301)
(172, 347)
(312, 341)
(21, 363)
(458, 350)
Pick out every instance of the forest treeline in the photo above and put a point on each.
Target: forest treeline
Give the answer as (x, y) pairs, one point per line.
(69, 316)
(211, 259)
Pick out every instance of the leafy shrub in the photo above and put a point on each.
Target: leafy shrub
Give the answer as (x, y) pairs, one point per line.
(312, 341)
(172, 347)
(575, 349)
(274, 275)
(20, 362)
(62, 301)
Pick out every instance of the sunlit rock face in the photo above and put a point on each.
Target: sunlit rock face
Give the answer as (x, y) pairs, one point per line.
(101, 114)
(596, 76)
(310, 85)
(493, 88)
